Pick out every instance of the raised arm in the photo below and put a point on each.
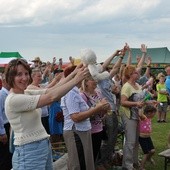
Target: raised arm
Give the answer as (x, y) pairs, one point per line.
(148, 66)
(140, 63)
(117, 65)
(56, 92)
(108, 61)
(55, 80)
(70, 76)
(129, 59)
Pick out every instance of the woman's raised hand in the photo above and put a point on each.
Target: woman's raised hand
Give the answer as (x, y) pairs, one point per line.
(81, 74)
(143, 48)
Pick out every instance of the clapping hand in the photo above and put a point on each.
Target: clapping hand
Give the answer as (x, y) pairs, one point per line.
(104, 104)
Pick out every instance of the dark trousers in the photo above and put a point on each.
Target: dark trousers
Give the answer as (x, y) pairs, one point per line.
(96, 141)
(45, 123)
(107, 149)
(5, 155)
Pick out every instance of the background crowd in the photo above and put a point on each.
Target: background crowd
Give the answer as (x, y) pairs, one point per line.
(43, 103)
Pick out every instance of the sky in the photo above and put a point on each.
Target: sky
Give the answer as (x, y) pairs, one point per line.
(61, 28)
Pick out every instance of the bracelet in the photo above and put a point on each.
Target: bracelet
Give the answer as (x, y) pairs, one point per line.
(148, 66)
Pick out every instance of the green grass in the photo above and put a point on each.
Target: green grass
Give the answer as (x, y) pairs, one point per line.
(159, 137)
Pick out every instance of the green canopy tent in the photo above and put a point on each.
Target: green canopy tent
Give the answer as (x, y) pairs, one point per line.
(160, 56)
(5, 57)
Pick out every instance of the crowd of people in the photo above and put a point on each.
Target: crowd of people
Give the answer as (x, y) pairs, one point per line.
(43, 103)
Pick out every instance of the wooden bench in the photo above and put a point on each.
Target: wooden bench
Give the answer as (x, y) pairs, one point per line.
(166, 155)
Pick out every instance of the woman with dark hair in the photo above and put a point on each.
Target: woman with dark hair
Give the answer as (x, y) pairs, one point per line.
(77, 127)
(32, 146)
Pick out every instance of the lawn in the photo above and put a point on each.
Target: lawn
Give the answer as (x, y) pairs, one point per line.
(159, 136)
(160, 133)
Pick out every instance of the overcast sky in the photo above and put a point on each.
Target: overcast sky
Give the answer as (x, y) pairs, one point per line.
(61, 28)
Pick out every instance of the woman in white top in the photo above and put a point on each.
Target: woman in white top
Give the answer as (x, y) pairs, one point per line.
(32, 146)
(77, 127)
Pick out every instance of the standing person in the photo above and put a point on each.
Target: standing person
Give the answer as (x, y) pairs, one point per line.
(111, 120)
(36, 76)
(5, 155)
(130, 120)
(37, 62)
(92, 96)
(32, 146)
(145, 140)
(105, 84)
(56, 119)
(162, 98)
(77, 127)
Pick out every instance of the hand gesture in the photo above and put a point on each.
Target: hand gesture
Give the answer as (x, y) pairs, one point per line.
(140, 104)
(103, 104)
(81, 74)
(76, 70)
(54, 60)
(126, 47)
(143, 48)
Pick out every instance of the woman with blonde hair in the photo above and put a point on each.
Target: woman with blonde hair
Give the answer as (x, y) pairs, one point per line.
(92, 96)
(77, 126)
(130, 119)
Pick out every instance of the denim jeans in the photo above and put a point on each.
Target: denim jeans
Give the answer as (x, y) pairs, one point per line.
(35, 155)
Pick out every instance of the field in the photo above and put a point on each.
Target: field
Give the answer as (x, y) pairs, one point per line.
(159, 137)
(160, 133)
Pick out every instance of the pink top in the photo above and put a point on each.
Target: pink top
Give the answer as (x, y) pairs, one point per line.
(145, 126)
(96, 121)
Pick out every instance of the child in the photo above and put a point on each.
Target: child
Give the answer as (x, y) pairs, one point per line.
(145, 135)
(162, 98)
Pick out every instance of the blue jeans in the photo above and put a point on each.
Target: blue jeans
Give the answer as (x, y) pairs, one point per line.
(35, 155)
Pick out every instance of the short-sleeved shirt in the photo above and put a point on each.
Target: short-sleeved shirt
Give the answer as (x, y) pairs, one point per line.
(96, 120)
(161, 97)
(128, 90)
(24, 118)
(72, 103)
(106, 89)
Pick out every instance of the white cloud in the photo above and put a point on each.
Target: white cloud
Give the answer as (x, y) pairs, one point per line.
(40, 12)
(62, 27)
